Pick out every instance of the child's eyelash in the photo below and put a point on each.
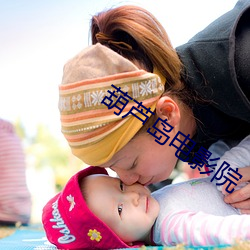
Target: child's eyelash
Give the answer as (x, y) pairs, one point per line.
(121, 185)
(120, 206)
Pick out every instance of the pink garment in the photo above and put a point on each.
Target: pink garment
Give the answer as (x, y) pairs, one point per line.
(15, 200)
(194, 213)
(202, 229)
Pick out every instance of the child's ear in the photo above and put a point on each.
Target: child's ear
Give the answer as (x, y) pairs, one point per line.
(167, 108)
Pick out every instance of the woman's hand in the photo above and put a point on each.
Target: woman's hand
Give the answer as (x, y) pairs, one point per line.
(241, 198)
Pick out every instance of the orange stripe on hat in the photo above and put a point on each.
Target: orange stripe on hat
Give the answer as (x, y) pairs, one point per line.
(96, 132)
(87, 83)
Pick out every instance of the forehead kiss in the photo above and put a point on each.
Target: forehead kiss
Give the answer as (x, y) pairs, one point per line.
(142, 161)
(121, 206)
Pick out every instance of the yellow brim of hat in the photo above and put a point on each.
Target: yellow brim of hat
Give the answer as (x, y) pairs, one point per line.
(103, 150)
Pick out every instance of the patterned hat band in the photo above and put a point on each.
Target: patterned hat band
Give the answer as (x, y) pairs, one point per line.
(102, 109)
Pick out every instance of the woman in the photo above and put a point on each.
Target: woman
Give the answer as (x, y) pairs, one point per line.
(191, 113)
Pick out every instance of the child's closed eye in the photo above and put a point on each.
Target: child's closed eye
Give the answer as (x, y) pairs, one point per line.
(121, 186)
(120, 206)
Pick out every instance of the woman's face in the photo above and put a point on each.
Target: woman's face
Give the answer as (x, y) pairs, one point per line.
(143, 160)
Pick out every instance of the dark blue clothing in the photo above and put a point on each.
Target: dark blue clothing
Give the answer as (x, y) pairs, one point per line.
(217, 67)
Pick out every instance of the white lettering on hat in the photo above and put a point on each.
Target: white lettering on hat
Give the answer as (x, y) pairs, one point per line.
(67, 237)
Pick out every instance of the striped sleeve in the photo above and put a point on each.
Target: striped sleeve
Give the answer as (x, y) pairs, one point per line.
(201, 229)
(15, 200)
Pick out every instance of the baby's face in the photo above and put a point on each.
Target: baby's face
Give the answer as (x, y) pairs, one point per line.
(130, 211)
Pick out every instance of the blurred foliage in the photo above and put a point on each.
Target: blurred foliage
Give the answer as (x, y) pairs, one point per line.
(45, 150)
(20, 130)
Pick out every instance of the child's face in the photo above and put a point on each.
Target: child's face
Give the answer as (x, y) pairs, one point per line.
(130, 211)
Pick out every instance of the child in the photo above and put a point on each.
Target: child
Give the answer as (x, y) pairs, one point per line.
(70, 224)
(96, 211)
(15, 198)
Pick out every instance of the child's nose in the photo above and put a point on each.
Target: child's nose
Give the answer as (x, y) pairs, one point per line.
(133, 197)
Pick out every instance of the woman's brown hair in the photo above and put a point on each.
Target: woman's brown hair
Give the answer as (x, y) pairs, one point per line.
(136, 34)
(144, 35)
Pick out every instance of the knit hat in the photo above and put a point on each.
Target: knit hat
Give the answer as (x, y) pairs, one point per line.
(69, 223)
(104, 101)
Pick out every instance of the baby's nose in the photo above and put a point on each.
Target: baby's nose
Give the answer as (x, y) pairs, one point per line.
(133, 198)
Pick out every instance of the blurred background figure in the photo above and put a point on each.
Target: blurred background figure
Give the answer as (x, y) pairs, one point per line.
(15, 199)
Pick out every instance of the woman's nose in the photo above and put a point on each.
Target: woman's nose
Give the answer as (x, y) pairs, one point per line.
(126, 177)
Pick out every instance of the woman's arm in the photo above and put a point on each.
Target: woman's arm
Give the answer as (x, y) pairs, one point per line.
(238, 157)
(241, 198)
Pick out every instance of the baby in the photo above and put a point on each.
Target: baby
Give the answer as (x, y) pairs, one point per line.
(96, 211)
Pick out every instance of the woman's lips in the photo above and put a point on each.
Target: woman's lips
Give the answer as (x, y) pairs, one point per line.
(148, 183)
